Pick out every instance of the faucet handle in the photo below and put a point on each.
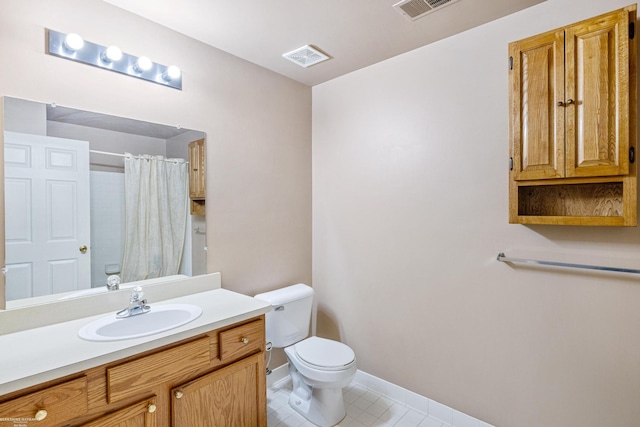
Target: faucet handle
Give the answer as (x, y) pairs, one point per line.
(113, 282)
(137, 294)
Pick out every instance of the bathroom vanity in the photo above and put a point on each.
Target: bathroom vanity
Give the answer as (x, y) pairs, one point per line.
(208, 372)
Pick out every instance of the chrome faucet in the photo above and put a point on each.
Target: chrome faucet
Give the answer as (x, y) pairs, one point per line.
(137, 305)
(113, 282)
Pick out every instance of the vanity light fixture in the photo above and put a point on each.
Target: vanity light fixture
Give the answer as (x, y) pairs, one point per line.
(73, 42)
(143, 64)
(72, 46)
(111, 54)
(172, 73)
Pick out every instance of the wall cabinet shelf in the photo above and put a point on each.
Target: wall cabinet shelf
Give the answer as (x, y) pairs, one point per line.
(214, 379)
(572, 124)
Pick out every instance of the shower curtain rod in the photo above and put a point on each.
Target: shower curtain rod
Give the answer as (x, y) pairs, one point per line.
(107, 153)
(137, 156)
(503, 258)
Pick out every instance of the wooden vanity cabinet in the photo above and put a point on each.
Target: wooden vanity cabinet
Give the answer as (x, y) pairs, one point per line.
(213, 379)
(572, 124)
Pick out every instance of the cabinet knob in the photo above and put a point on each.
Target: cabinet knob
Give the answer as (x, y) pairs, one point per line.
(570, 101)
(151, 408)
(178, 394)
(40, 415)
(244, 340)
(560, 104)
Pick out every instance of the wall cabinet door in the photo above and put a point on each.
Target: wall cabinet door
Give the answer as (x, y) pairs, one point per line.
(569, 101)
(537, 124)
(230, 396)
(597, 96)
(197, 169)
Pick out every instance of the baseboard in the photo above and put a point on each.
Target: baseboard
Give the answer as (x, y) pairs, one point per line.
(278, 374)
(448, 416)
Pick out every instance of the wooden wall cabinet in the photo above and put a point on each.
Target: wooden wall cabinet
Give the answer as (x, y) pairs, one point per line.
(197, 176)
(572, 124)
(214, 379)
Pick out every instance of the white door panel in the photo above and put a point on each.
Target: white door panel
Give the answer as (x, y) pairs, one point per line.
(47, 218)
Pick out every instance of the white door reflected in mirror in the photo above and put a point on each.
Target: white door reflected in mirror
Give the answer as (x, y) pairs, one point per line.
(46, 242)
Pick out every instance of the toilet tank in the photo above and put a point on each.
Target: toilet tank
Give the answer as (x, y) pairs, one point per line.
(288, 321)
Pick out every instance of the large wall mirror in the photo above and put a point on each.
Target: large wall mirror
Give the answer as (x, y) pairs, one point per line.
(65, 210)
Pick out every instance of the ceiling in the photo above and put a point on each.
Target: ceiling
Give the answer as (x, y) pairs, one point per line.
(354, 33)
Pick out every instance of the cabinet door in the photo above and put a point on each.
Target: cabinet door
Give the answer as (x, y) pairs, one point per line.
(142, 414)
(597, 98)
(229, 397)
(536, 121)
(196, 169)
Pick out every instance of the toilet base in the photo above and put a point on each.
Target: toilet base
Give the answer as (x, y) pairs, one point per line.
(325, 408)
(322, 406)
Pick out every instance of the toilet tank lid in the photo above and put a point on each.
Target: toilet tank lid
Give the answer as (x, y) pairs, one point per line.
(287, 294)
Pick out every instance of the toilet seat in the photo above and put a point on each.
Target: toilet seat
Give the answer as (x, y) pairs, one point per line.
(323, 354)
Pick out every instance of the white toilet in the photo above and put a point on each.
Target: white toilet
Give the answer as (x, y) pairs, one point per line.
(319, 368)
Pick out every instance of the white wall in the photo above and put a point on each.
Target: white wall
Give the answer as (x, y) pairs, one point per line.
(107, 224)
(410, 209)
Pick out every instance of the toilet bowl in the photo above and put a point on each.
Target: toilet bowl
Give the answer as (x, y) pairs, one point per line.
(319, 368)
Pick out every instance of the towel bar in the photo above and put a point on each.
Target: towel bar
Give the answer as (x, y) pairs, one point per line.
(503, 258)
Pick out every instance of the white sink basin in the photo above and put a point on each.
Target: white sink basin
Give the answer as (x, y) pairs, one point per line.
(161, 318)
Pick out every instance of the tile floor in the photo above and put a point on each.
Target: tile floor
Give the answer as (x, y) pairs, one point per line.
(364, 408)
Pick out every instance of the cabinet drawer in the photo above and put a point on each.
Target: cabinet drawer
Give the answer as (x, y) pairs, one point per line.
(140, 414)
(53, 406)
(142, 374)
(241, 340)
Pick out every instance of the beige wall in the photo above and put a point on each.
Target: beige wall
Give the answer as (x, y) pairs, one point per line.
(258, 126)
(409, 212)
(410, 208)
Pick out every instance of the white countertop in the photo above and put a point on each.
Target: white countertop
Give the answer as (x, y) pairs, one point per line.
(44, 353)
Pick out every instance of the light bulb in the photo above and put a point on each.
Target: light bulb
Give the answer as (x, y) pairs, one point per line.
(73, 42)
(143, 64)
(172, 73)
(113, 53)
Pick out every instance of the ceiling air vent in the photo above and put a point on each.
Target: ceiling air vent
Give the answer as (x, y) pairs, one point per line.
(306, 56)
(414, 9)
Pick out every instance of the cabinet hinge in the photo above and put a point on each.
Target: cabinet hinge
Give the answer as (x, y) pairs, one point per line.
(510, 163)
(632, 29)
(511, 62)
(632, 155)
